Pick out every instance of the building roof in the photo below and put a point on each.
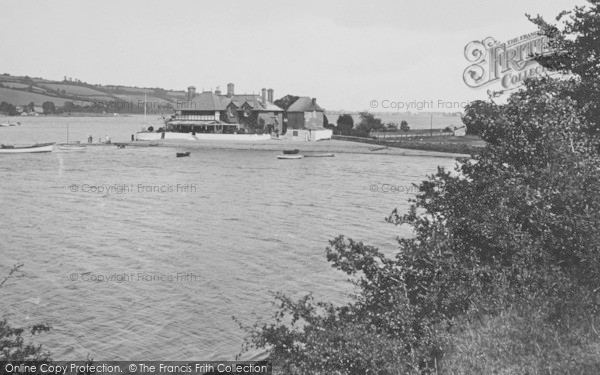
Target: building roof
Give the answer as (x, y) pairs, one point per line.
(305, 104)
(209, 101)
(204, 101)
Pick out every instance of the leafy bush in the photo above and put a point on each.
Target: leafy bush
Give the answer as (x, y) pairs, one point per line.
(503, 273)
(12, 343)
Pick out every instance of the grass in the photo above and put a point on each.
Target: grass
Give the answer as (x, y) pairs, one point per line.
(525, 342)
(451, 144)
(74, 89)
(18, 97)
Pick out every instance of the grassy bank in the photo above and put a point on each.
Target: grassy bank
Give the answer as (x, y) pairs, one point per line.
(451, 144)
(325, 146)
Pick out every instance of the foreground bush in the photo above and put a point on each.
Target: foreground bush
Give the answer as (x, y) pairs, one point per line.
(503, 275)
(12, 344)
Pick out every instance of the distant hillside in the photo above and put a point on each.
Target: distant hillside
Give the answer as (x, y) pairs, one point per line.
(23, 97)
(76, 96)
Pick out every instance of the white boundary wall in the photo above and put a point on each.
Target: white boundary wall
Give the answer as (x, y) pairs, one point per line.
(144, 136)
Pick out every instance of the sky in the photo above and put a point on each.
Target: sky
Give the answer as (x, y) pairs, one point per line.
(351, 55)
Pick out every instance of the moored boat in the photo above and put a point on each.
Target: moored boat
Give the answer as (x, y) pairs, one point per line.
(289, 156)
(183, 154)
(319, 155)
(36, 148)
(72, 147)
(7, 124)
(291, 152)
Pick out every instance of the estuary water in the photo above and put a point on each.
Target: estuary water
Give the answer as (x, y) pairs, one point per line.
(135, 254)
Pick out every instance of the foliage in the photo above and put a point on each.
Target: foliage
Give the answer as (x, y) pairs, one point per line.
(48, 107)
(68, 106)
(404, 126)
(285, 102)
(576, 52)
(503, 272)
(476, 114)
(345, 124)
(520, 340)
(368, 123)
(12, 343)
(251, 122)
(8, 109)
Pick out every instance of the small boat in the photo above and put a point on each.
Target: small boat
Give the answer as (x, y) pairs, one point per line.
(121, 146)
(71, 147)
(291, 152)
(319, 155)
(378, 148)
(7, 124)
(153, 144)
(182, 154)
(289, 156)
(41, 147)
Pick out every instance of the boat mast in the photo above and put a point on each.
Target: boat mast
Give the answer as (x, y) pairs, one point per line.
(144, 108)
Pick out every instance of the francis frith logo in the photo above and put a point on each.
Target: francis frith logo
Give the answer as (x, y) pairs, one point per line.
(507, 63)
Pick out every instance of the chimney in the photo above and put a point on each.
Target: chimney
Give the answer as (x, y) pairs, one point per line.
(270, 95)
(191, 92)
(230, 92)
(314, 102)
(218, 91)
(264, 96)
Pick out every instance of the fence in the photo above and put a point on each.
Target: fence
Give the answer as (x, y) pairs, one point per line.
(396, 135)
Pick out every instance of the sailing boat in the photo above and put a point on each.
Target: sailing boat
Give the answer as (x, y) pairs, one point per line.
(145, 127)
(71, 146)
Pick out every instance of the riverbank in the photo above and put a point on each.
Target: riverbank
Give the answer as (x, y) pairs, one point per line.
(447, 144)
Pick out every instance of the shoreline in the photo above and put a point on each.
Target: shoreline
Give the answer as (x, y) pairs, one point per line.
(324, 146)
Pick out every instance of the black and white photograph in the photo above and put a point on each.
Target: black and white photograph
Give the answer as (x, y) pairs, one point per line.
(300, 187)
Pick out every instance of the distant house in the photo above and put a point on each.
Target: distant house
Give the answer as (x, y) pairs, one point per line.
(460, 132)
(305, 120)
(213, 112)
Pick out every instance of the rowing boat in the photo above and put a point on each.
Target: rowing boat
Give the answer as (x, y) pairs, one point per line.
(41, 147)
(7, 124)
(289, 156)
(71, 147)
(319, 155)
